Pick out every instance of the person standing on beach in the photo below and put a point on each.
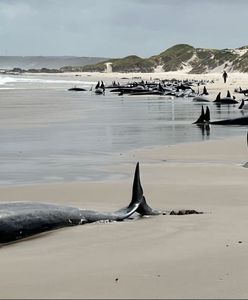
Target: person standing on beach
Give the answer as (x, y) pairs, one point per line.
(224, 76)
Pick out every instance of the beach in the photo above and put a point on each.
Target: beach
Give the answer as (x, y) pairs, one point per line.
(159, 257)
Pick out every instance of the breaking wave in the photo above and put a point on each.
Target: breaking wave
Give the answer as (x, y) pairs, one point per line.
(10, 80)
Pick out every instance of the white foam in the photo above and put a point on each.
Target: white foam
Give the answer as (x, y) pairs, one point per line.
(4, 80)
(12, 79)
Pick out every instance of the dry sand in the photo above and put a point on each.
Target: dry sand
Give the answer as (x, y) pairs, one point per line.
(234, 80)
(192, 256)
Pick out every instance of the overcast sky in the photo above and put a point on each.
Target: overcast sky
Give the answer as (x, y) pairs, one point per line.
(117, 28)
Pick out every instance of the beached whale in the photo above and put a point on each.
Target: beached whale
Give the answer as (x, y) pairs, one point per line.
(100, 88)
(204, 119)
(77, 89)
(23, 219)
(241, 91)
(225, 100)
(20, 220)
(200, 99)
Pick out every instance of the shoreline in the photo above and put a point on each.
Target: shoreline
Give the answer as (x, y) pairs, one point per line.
(166, 256)
(150, 155)
(194, 134)
(159, 257)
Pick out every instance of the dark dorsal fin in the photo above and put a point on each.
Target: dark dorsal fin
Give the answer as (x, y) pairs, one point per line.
(207, 115)
(98, 85)
(201, 119)
(205, 92)
(218, 97)
(137, 192)
(228, 94)
(144, 208)
(242, 104)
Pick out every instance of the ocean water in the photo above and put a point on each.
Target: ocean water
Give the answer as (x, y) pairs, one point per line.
(49, 134)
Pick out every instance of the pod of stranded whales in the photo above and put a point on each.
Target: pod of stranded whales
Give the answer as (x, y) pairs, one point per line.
(176, 88)
(19, 220)
(204, 118)
(173, 87)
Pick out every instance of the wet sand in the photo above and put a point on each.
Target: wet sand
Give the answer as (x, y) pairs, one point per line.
(49, 134)
(192, 256)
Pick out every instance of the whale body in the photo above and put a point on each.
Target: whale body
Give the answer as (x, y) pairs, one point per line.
(204, 119)
(19, 220)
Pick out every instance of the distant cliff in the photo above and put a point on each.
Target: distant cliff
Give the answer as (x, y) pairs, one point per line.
(46, 62)
(180, 57)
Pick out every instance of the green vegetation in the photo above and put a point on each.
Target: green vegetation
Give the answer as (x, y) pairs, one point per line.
(131, 63)
(173, 59)
(209, 59)
(197, 60)
(241, 63)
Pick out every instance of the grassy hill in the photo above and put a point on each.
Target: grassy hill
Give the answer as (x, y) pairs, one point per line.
(241, 62)
(182, 57)
(130, 63)
(172, 58)
(179, 57)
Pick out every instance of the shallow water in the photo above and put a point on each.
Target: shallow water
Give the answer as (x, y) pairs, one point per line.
(50, 134)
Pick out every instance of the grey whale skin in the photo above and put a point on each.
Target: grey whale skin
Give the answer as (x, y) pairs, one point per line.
(19, 220)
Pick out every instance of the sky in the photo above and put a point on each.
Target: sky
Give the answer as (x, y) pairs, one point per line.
(118, 28)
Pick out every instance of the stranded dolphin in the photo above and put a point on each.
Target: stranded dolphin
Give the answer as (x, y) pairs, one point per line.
(23, 219)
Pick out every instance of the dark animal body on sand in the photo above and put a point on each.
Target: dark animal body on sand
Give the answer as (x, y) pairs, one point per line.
(173, 87)
(225, 100)
(241, 91)
(176, 88)
(77, 89)
(162, 87)
(19, 220)
(205, 119)
(100, 88)
(201, 99)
